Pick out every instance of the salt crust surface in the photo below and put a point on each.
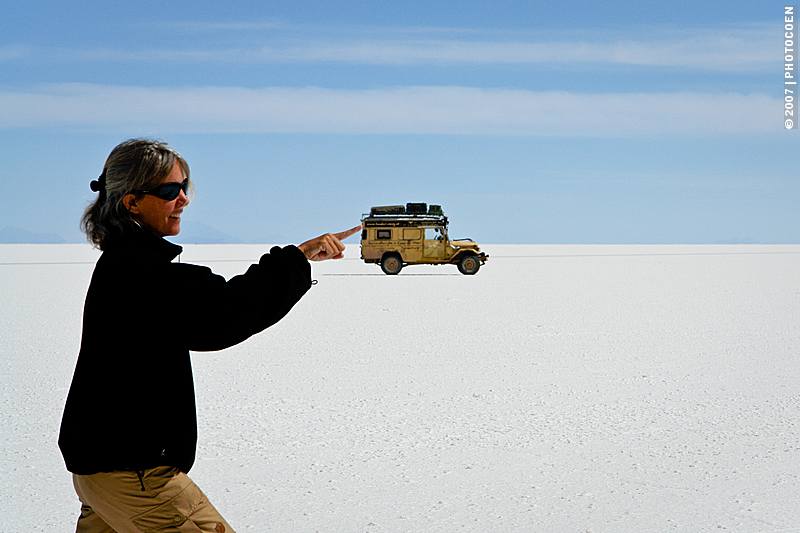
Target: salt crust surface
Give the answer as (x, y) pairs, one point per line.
(562, 388)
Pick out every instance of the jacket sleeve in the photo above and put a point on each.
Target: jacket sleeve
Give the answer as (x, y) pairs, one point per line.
(217, 314)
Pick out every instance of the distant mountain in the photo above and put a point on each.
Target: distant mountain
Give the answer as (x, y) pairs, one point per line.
(193, 232)
(13, 235)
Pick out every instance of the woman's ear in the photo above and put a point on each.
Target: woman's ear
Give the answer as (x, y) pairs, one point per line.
(129, 201)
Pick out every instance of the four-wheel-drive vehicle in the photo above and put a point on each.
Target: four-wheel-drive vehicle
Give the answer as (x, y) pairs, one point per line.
(414, 234)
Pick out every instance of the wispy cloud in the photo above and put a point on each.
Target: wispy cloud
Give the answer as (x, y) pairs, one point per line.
(711, 51)
(225, 26)
(734, 49)
(406, 110)
(13, 52)
(237, 26)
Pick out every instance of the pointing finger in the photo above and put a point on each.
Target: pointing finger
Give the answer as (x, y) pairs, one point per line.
(346, 233)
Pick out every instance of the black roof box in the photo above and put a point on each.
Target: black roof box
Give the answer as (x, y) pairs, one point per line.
(388, 210)
(417, 209)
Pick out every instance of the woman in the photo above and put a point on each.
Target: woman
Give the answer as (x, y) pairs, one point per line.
(129, 429)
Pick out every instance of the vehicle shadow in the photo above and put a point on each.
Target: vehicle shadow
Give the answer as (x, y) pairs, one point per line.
(385, 276)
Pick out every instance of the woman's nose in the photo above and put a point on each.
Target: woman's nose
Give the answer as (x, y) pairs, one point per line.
(183, 200)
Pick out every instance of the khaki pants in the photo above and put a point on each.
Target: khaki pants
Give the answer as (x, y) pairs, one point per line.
(161, 499)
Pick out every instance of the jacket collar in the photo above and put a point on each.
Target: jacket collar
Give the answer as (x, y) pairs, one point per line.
(144, 241)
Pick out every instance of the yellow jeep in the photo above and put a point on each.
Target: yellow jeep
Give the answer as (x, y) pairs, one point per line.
(414, 234)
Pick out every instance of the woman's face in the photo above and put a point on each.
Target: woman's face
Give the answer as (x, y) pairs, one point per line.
(163, 217)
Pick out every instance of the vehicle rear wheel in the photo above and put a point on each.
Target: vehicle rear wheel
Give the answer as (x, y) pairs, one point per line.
(469, 264)
(391, 264)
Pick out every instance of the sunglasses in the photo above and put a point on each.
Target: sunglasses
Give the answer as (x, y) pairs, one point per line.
(168, 191)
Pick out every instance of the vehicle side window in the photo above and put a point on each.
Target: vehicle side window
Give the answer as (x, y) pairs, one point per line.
(433, 234)
(384, 234)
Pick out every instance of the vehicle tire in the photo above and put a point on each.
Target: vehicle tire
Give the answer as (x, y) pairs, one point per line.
(469, 264)
(391, 264)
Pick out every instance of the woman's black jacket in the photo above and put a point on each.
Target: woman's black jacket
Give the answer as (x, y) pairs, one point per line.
(131, 404)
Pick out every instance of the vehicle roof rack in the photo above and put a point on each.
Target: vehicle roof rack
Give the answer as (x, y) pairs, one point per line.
(405, 215)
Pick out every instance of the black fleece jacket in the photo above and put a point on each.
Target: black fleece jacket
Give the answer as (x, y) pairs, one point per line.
(131, 404)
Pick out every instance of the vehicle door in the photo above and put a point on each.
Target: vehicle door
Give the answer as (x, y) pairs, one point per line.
(433, 248)
(411, 244)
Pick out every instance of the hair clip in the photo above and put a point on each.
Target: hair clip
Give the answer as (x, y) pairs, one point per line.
(98, 184)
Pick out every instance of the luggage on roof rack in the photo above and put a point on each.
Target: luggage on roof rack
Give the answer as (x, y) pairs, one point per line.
(411, 209)
(417, 209)
(387, 210)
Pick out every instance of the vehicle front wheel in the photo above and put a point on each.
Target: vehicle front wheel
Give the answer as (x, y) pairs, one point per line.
(391, 265)
(469, 265)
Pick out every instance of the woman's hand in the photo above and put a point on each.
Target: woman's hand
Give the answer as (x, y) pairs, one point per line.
(328, 246)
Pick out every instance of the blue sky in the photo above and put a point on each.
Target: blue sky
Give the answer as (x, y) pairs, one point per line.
(530, 122)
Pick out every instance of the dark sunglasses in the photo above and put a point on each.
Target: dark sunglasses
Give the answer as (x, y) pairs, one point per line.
(168, 191)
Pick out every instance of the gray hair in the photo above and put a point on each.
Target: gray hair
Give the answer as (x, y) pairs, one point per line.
(136, 164)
